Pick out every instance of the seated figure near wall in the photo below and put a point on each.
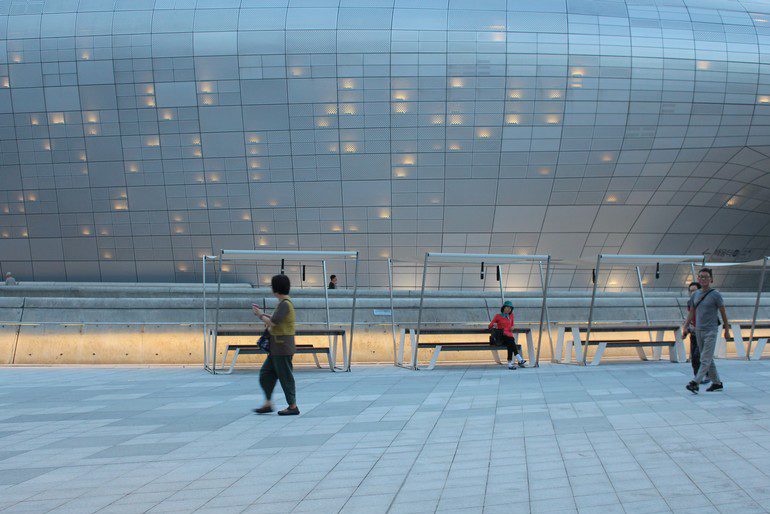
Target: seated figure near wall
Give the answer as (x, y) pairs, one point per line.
(502, 335)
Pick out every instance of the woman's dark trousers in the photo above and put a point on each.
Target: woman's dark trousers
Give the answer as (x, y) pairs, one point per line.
(510, 344)
(278, 368)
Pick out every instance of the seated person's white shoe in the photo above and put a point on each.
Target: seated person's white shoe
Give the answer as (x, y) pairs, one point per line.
(511, 365)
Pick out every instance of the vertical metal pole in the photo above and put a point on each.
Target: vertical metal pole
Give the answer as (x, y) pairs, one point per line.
(692, 270)
(543, 309)
(644, 301)
(756, 306)
(326, 302)
(591, 308)
(205, 331)
(216, 317)
(353, 314)
(392, 312)
(544, 286)
(422, 298)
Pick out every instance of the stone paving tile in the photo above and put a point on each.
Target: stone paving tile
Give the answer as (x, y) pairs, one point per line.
(622, 437)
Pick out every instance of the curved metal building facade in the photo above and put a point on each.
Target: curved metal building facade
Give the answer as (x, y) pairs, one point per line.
(138, 135)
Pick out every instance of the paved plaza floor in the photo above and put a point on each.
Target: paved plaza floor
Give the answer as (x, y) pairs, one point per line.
(610, 439)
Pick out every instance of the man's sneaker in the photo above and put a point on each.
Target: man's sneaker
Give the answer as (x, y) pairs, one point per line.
(522, 363)
(715, 387)
(264, 410)
(692, 387)
(705, 381)
(288, 411)
(511, 365)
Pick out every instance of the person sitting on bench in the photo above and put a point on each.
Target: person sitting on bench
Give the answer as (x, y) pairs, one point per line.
(502, 334)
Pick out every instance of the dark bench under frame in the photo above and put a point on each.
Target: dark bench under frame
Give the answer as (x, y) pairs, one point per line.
(459, 346)
(303, 349)
(599, 339)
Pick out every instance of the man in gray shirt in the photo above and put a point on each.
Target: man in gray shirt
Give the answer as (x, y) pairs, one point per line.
(705, 305)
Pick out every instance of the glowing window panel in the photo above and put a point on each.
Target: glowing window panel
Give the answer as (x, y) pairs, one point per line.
(456, 82)
(56, 118)
(400, 108)
(455, 119)
(512, 119)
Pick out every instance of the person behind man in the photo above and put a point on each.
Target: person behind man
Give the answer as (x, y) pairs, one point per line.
(9, 280)
(694, 352)
(502, 334)
(704, 307)
(333, 282)
(278, 365)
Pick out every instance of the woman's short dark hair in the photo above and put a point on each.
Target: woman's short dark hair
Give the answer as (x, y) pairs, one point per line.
(280, 284)
(697, 285)
(706, 270)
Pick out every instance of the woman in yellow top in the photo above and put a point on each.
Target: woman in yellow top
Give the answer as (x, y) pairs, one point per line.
(278, 365)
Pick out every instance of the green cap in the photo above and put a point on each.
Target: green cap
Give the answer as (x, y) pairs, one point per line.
(508, 304)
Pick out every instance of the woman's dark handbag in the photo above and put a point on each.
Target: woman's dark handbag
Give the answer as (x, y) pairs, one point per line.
(264, 341)
(496, 337)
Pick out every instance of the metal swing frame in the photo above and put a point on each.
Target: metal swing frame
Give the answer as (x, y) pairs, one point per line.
(762, 264)
(256, 256)
(637, 261)
(467, 259)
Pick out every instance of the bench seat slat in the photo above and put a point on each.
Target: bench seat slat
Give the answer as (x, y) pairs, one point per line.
(298, 333)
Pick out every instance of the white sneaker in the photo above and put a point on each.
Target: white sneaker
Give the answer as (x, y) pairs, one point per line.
(511, 365)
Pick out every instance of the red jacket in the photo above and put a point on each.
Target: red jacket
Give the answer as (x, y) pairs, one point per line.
(503, 323)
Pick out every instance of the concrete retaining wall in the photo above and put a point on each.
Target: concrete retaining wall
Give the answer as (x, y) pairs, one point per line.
(162, 324)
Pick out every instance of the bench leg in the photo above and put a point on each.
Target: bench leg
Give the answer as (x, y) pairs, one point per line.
(401, 344)
(569, 347)
(434, 358)
(232, 364)
(681, 352)
(345, 363)
(598, 354)
(577, 343)
(315, 358)
(413, 340)
(740, 346)
(640, 353)
(558, 355)
(530, 349)
(720, 352)
(329, 360)
(332, 356)
(495, 354)
(759, 349)
(657, 351)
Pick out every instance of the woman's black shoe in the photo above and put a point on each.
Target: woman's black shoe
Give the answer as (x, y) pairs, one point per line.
(692, 387)
(715, 387)
(288, 411)
(264, 410)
